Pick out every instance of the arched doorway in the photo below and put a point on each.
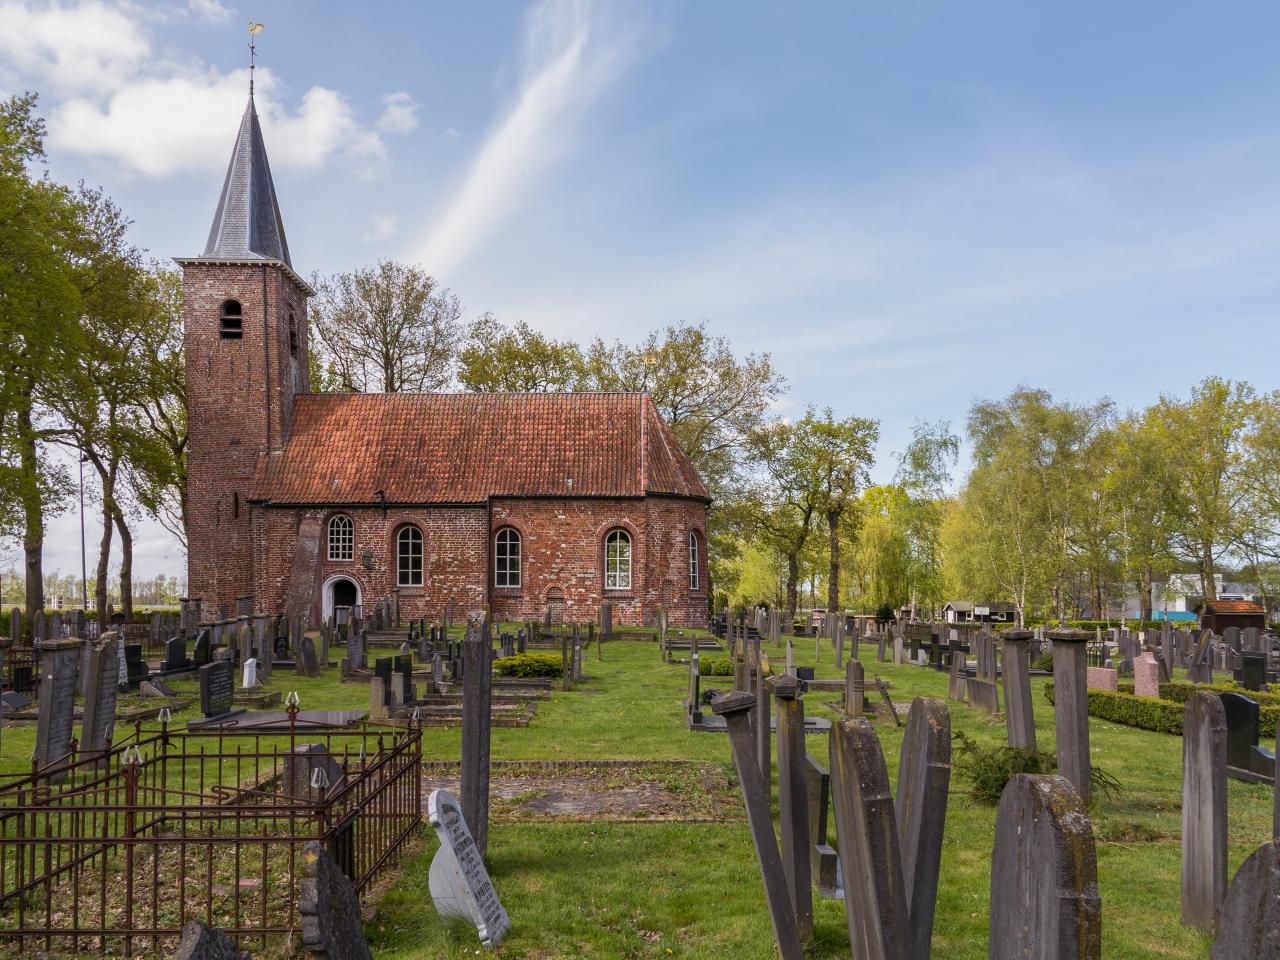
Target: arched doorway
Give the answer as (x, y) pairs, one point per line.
(340, 592)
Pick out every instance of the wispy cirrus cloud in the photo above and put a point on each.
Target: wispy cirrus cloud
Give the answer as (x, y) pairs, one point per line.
(572, 52)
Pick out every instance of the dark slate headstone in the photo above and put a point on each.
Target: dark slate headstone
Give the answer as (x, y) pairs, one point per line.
(1245, 759)
(135, 667)
(1249, 928)
(175, 655)
(404, 667)
(1044, 874)
(330, 909)
(217, 687)
(1253, 670)
(201, 943)
(1204, 810)
(804, 673)
(11, 701)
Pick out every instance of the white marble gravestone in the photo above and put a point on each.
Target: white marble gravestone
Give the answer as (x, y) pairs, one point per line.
(249, 673)
(459, 882)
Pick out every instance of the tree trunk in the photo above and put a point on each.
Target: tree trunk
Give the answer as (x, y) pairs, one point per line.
(1207, 582)
(104, 560)
(33, 511)
(126, 564)
(1144, 591)
(833, 569)
(793, 584)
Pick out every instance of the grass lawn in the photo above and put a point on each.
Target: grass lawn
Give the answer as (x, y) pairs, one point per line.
(664, 889)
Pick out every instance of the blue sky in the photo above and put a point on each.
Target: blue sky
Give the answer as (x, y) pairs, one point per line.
(908, 205)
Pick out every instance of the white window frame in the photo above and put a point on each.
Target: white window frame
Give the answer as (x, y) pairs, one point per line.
(617, 560)
(343, 545)
(695, 578)
(507, 546)
(407, 539)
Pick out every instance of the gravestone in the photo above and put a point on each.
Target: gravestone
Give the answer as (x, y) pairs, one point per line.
(1044, 873)
(793, 797)
(1245, 759)
(958, 672)
(1201, 668)
(249, 674)
(1204, 810)
(606, 619)
(397, 690)
(330, 909)
(459, 883)
(1253, 670)
(199, 942)
(175, 655)
(477, 681)
(693, 697)
(855, 689)
(59, 667)
(1071, 708)
(1019, 714)
(1102, 678)
(822, 860)
(356, 650)
(1249, 928)
(1146, 675)
(867, 835)
(924, 775)
(307, 664)
(404, 667)
(378, 699)
(217, 688)
(736, 708)
(203, 652)
(102, 683)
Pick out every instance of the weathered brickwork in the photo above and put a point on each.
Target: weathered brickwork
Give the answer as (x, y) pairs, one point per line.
(235, 411)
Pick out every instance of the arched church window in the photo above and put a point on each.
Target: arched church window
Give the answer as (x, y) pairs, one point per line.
(231, 320)
(342, 538)
(617, 560)
(693, 560)
(506, 558)
(409, 557)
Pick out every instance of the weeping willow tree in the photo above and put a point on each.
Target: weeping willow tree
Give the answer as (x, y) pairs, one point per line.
(881, 553)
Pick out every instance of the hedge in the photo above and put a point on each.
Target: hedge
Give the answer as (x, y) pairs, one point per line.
(715, 667)
(530, 665)
(1157, 713)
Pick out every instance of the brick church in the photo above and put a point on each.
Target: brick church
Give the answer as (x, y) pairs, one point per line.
(308, 501)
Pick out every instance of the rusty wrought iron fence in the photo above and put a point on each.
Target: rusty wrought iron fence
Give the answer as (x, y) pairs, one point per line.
(117, 852)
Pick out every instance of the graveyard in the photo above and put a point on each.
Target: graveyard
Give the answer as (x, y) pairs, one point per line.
(614, 829)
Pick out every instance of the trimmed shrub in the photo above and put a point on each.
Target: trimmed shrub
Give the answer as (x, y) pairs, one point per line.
(718, 667)
(1045, 662)
(1157, 713)
(529, 665)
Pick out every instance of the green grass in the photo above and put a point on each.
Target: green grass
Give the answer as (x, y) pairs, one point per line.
(661, 889)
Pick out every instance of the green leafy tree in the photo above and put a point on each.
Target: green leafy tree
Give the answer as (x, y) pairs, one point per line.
(924, 474)
(519, 359)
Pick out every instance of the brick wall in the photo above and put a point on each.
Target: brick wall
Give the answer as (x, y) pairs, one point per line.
(239, 400)
(562, 554)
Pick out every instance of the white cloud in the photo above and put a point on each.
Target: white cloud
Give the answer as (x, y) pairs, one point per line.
(113, 100)
(453, 133)
(379, 228)
(209, 11)
(570, 56)
(71, 48)
(399, 113)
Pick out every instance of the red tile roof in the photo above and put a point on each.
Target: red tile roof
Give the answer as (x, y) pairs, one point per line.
(1234, 606)
(467, 447)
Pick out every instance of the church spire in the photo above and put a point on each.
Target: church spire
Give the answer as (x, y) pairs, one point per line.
(247, 223)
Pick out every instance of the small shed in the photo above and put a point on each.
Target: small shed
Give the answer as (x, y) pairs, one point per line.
(1217, 615)
(958, 611)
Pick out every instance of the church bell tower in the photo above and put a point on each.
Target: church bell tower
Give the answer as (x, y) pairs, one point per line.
(245, 313)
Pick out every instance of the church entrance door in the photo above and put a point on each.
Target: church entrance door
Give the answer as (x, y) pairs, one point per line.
(340, 592)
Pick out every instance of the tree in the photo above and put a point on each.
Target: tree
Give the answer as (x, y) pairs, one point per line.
(924, 473)
(387, 328)
(789, 499)
(519, 359)
(842, 453)
(38, 307)
(1140, 504)
(1206, 436)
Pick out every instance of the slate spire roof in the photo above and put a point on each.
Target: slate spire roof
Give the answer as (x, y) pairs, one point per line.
(247, 224)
